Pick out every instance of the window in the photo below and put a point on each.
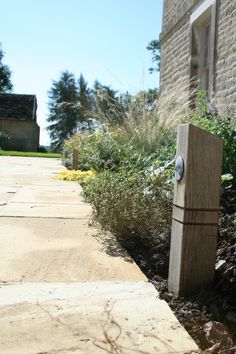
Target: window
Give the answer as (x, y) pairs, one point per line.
(205, 60)
(202, 23)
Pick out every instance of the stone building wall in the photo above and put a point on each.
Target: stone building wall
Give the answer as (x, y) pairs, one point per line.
(225, 64)
(173, 11)
(18, 118)
(174, 68)
(24, 135)
(176, 52)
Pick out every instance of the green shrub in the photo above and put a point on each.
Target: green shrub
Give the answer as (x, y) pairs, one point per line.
(4, 138)
(134, 206)
(42, 149)
(132, 191)
(224, 126)
(99, 151)
(145, 135)
(117, 150)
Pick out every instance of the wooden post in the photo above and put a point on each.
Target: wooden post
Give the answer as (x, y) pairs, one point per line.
(195, 210)
(75, 159)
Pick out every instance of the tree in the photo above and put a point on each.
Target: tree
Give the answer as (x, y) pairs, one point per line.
(5, 75)
(154, 47)
(146, 100)
(151, 96)
(84, 95)
(85, 102)
(63, 109)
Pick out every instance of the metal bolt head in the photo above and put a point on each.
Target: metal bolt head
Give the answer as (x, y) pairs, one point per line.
(179, 168)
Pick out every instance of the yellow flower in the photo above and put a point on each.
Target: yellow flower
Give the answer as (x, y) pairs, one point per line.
(77, 176)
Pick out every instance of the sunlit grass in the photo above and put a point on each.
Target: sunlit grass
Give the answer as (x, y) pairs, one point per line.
(29, 154)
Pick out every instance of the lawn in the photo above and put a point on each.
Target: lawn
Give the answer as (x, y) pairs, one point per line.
(29, 154)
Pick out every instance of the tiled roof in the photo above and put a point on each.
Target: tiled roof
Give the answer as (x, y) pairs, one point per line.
(14, 106)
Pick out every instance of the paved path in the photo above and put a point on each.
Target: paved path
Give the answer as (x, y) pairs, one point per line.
(66, 286)
(44, 231)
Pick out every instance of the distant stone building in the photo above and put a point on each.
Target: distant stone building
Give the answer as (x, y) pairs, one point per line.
(18, 118)
(198, 50)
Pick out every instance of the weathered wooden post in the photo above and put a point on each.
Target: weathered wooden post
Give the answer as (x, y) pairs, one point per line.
(195, 210)
(75, 159)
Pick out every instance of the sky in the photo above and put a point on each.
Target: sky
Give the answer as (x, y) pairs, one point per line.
(102, 39)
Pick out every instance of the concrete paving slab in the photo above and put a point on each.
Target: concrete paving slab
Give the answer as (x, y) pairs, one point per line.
(6, 194)
(46, 210)
(49, 194)
(45, 237)
(44, 233)
(59, 199)
(89, 318)
(61, 250)
(17, 171)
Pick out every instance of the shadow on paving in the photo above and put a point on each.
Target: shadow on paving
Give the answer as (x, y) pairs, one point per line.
(111, 246)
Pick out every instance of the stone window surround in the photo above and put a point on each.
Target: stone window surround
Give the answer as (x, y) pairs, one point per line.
(197, 12)
(200, 9)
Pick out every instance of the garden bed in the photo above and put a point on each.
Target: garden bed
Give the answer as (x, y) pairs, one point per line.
(131, 190)
(210, 305)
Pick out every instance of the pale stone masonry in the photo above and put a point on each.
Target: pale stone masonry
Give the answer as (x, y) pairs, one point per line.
(198, 50)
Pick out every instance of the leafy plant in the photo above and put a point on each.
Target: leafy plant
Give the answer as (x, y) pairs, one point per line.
(4, 138)
(5, 75)
(224, 126)
(132, 190)
(136, 206)
(154, 47)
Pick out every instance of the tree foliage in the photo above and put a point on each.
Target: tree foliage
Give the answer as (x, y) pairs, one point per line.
(85, 104)
(63, 112)
(5, 75)
(70, 108)
(74, 107)
(154, 47)
(85, 95)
